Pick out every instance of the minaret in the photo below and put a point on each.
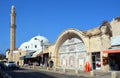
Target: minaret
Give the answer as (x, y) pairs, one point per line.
(12, 32)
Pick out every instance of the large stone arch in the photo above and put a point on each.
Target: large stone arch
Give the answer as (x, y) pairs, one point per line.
(67, 34)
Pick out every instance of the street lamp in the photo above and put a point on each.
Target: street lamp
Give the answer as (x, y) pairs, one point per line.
(41, 42)
(42, 50)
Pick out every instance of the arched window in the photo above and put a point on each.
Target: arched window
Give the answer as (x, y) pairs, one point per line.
(25, 46)
(35, 46)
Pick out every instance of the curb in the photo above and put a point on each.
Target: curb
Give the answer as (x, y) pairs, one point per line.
(45, 70)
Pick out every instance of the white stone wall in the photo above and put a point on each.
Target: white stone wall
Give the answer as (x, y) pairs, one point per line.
(72, 54)
(34, 43)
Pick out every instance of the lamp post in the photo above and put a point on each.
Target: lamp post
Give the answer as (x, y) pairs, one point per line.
(41, 42)
(42, 50)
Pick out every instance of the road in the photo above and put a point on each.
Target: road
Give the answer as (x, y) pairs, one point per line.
(28, 73)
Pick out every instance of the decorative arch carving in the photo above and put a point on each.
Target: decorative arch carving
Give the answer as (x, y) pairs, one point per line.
(68, 34)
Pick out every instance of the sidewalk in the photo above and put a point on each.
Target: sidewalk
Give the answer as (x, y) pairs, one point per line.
(94, 74)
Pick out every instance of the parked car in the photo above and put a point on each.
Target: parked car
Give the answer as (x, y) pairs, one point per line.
(10, 64)
(2, 66)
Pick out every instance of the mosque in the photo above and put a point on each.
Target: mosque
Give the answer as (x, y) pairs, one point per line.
(73, 48)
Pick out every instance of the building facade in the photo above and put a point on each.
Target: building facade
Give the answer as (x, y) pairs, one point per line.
(113, 53)
(29, 51)
(70, 50)
(74, 48)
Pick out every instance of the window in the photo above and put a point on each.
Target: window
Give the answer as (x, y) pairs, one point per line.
(35, 46)
(25, 46)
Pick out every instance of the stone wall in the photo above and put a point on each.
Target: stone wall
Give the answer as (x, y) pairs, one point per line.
(17, 55)
(95, 44)
(115, 24)
(52, 53)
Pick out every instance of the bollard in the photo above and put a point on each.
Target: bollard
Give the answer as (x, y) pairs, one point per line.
(33, 67)
(76, 71)
(64, 70)
(48, 68)
(113, 74)
(54, 69)
(92, 73)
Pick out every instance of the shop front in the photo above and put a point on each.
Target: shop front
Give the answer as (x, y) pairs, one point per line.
(43, 59)
(113, 59)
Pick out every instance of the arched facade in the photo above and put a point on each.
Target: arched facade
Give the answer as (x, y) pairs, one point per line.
(71, 49)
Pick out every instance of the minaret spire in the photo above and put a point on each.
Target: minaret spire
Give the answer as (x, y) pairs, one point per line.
(13, 16)
(13, 9)
(12, 32)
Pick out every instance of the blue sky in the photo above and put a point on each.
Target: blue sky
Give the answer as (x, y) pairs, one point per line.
(49, 18)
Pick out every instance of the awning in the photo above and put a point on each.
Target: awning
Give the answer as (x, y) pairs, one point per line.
(29, 54)
(36, 53)
(112, 51)
(22, 57)
(40, 54)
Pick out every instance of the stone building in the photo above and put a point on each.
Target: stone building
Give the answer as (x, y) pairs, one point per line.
(18, 57)
(113, 53)
(31, 50)
(73, 48)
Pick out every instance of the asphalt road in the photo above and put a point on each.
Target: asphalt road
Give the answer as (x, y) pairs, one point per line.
(28, 73)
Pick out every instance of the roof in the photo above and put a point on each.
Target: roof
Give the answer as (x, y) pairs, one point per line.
(35, 41)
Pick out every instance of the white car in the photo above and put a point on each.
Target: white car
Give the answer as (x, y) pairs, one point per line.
(10, 64)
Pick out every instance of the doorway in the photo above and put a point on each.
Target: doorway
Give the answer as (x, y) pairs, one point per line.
(114, 61)
(96, 61)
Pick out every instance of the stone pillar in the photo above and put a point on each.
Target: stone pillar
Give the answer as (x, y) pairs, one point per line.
(105, 44)
(54, 69)
(113, 74)
(64, 70)
(92, 73)
(76, 71)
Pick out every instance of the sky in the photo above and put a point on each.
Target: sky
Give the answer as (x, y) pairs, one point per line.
(50, 18)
